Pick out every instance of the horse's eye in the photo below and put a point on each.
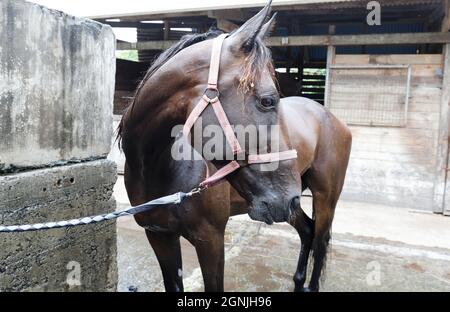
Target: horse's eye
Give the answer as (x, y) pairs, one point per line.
(267, 102)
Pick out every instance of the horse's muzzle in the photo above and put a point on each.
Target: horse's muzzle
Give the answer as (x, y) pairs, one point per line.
(276, 212)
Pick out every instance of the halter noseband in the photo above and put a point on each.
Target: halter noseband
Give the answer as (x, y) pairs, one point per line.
(205, 100)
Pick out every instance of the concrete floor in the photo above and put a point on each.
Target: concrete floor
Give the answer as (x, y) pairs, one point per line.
(374, 248)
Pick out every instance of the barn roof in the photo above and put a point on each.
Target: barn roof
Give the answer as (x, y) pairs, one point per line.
(137, 10)
(173, 6)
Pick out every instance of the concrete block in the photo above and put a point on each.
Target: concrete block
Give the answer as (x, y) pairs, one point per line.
(56, 87)
(56, 260)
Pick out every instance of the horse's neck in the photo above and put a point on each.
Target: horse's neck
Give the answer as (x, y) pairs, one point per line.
(158, 109)
(165, 171)
(164, 99)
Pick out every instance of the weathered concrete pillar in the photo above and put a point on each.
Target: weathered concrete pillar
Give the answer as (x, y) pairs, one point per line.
(56, 101)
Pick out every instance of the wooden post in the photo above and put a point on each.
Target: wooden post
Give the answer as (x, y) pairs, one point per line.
(445, 110)
(442, 187)
(442, 184)
(331, 51)
(446, 21)
(288, 60)
(166, 29)
(301, 60)
(366, 30)
(424, 46)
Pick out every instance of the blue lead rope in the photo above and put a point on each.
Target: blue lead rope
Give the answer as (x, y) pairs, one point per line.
(170, 199)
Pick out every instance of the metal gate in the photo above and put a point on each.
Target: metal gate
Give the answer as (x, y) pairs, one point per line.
(372, 95)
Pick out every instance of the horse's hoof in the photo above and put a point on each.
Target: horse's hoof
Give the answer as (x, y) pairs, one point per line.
(307, 289)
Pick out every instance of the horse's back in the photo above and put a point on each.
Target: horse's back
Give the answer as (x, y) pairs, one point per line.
(300, 111)
(312, 129)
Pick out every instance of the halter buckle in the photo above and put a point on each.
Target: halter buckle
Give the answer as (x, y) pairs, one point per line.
(211, 94)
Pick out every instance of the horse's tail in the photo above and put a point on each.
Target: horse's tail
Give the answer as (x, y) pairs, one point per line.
(326, 258)
(324, 252)
(119, 133)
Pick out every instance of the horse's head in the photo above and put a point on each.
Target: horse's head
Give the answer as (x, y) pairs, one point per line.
(249, 97)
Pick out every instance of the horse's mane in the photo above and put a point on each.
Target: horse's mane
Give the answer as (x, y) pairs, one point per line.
(259, 57)
(185, 41)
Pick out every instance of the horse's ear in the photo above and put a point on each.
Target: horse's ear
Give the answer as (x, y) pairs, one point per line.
(245, 36)
(268, 27)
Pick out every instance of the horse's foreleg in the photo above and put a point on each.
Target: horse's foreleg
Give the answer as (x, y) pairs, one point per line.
(210, 252)
(305, 228)
(168, 252)
(323, 213)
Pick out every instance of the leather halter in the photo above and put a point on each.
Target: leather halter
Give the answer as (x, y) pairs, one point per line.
(205, 100)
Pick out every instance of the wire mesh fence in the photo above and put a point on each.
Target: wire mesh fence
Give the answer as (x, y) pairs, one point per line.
(370, 95)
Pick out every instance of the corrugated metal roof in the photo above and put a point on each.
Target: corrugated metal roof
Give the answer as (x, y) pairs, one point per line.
(102, 9)
(174, 7)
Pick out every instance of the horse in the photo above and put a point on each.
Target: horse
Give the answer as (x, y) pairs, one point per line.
(246, 87)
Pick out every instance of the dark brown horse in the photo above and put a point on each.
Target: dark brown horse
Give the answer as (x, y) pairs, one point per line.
(165, 98)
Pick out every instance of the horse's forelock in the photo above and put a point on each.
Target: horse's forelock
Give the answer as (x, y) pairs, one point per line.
(256, 62)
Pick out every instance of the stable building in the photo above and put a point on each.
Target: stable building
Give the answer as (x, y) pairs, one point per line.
(388, 79)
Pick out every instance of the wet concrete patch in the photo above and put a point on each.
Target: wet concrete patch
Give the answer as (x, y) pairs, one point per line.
(264, 258)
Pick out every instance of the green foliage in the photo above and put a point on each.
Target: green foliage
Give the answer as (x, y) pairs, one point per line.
(130, 55)
(314, 71)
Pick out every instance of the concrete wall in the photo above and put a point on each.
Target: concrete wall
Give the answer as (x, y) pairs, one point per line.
(45, 260)
(56, 86)
(397, 165)
(56, 99)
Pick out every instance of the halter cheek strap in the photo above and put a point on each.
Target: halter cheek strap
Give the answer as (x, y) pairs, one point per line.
(205, 100)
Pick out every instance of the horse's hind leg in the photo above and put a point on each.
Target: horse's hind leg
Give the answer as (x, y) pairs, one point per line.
(305, 228)
(168, 252)
(323, 217)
